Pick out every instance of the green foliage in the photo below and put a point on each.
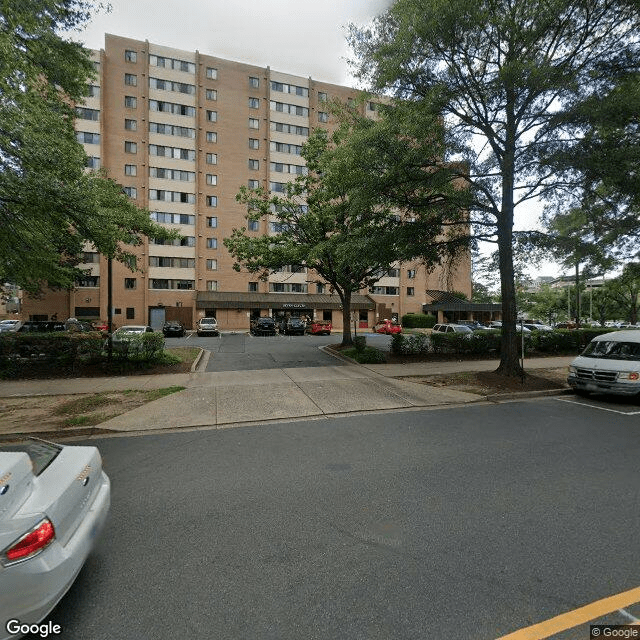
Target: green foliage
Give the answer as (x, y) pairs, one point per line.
(369, 355)
(360, 343)
(418, 320)
(49, 205)
(407, 344)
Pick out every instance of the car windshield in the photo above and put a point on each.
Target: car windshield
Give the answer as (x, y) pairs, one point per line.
(208, 321)
(265, 321)
(126, 330)
(613, 350)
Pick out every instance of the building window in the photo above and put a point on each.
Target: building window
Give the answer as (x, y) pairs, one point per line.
(212, 180)
(254, 164)
(172, 63)
(131, 79)
(131, 313)
(88, 281)
(212, 116)
(253, 225)
(92, 162)
(211, 94)
(212, 158)
(212, 264)
(212, 243)
(94, 90)
(212, 285)
(323, 116)
(254, 103)
(130, 147)
(319, 287)
(254, 143)
(130, 56)
(254, 82)
(411, 291)
(411, 273)
(253, 184)
(212, 136)
(254, 123)
(212, 222)
(322, 97)
(130, 170)
(291, 109)
(212, 73)
(130, 102)
(83, 113)
(130, 283)
(130, 125)
(253, 286)
(132, 192)
(212, 201)
(86, 137)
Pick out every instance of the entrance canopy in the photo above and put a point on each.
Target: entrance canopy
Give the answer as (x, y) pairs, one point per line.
(280, 301)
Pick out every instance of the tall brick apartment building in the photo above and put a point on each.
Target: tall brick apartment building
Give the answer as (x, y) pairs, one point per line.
(182, 131)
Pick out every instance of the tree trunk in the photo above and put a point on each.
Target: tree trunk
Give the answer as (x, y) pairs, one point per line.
(345, 297)
(509, 357)
(577, 295)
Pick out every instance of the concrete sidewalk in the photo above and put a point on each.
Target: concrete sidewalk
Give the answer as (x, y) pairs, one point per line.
(224, 399)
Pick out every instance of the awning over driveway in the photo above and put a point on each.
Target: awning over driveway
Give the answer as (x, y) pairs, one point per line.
(251, 300)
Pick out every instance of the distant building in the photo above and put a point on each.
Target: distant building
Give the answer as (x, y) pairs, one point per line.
(182, 131)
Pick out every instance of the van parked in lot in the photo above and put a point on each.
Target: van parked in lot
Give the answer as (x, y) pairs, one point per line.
(610, 363)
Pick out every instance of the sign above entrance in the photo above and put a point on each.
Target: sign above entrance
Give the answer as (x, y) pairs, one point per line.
(293, 305)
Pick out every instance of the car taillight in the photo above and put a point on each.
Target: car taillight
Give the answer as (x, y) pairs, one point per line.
(31, 543)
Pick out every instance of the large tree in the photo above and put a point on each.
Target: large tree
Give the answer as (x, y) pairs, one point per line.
(602, 153)
(344, 221)
(499, 72)
(49, 205)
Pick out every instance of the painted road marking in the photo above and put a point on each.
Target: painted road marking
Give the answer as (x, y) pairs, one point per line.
(595, 406)
(576, 617)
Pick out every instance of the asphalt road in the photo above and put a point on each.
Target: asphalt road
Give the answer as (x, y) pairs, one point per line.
(242, 351)
(460, 523)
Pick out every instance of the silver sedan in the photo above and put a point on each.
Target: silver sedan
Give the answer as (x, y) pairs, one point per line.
(54, 501)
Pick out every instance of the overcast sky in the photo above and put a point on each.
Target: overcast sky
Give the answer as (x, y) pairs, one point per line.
(301, 37)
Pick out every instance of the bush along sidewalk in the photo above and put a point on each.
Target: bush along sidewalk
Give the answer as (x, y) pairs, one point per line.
(363, 354)
(487, 343)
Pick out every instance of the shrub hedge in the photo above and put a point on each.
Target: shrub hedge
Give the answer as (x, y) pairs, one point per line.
(560, 341)
(23, 354)
(418, 321)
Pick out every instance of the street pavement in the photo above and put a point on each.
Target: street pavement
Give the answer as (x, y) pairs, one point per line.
(233, 398)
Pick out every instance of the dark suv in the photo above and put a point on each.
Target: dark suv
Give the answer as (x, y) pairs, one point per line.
(263, 327)
(292, 327)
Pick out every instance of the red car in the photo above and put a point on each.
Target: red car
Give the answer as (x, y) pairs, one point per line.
(388, 327)
(319, 328)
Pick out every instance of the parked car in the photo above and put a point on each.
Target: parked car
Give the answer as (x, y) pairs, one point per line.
(173, 328)
(292, 326)
(54, 501)
(474, 325)
(538, 327)
(610, 363)
(10, 325)
(101, 326)
(319, 328)
(42, 326)
(452, 328)
(123, 338)
(208, 326)
(388, 327)
(263, 327)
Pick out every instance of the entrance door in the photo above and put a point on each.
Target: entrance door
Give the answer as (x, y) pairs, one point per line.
(156, 317)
